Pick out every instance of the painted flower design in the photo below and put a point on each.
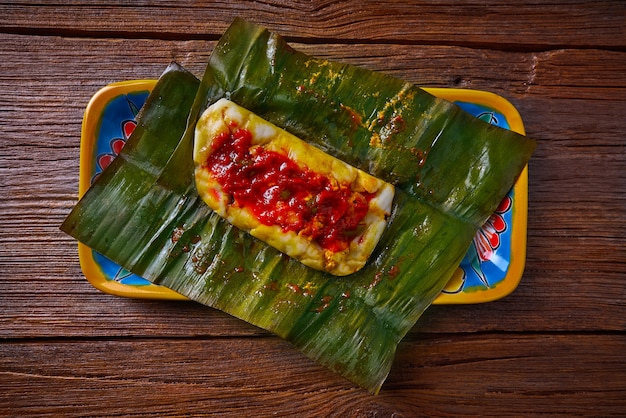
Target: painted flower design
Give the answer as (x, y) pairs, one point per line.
(484, 245)
(489, 117)
(116, 145)
(487, 240)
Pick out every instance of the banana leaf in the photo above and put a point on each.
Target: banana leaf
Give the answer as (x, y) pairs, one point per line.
(450, 169)
(130, 202)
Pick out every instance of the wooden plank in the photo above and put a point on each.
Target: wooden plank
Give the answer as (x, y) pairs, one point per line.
(506, 374)
(500, 25)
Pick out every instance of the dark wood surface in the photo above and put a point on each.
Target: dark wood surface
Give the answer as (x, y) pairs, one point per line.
(557, 345)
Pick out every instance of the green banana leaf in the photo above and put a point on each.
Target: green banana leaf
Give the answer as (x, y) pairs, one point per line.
(451, 171)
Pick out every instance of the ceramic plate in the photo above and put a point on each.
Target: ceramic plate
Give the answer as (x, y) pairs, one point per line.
(491, 269)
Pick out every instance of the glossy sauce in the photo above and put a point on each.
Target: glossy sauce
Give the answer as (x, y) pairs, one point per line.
(279, 192)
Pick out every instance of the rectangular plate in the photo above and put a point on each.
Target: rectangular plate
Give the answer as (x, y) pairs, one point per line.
(491, 269)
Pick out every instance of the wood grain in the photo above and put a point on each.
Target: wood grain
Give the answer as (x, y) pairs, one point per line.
(557, 345)
(435, 376)
(500, 25)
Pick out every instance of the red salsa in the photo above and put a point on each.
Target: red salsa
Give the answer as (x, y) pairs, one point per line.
(279, 192)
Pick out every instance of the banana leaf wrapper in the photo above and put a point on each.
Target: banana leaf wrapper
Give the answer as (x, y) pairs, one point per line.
(145, 214)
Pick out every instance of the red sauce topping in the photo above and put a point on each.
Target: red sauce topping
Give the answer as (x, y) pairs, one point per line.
(278, 192)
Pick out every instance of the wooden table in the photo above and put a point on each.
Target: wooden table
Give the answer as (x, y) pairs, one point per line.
(557, 345)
